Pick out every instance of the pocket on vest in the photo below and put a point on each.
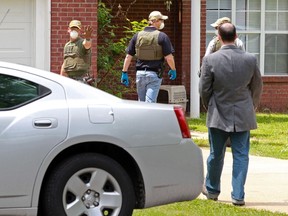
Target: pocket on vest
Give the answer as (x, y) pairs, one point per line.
(75, 64)
(148, 53)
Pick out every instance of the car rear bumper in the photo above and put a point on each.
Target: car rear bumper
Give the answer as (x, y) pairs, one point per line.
(178, 175)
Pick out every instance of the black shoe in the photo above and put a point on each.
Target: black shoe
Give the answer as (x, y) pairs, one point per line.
(209, 195)
(238, 202)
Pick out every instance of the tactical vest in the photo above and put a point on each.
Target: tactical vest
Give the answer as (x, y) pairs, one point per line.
(77, 59)
(217, 44)
(147, 47)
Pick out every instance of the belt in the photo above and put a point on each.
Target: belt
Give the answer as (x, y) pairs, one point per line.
(77, 78)
(149, 69)
(76, 73)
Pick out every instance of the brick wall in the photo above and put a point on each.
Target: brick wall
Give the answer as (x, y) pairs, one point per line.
(62, 12)
(139, 10)
(185, 45)
(275, 94)
(177, 27)
(275, 89)
(186, 41)
(203, 28)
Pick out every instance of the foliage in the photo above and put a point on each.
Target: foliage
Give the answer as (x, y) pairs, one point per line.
(109, 53)
(270, 138)
(136, 26)
(198, 124)
(111, 50)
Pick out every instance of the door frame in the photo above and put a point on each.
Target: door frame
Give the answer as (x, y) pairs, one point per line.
(42, 35)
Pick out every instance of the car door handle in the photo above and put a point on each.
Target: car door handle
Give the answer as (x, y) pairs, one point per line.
(45, 123)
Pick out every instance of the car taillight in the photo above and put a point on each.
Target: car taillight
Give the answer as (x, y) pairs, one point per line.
(182, 122)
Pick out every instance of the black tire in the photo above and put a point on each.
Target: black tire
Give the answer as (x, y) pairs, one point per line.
(88, 184)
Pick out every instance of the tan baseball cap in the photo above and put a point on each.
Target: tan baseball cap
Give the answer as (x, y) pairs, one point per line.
(156, 15)
(75, 23)
(220, 21)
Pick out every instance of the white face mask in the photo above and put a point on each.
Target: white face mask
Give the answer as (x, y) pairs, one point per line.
(74, 34)
(162, 25)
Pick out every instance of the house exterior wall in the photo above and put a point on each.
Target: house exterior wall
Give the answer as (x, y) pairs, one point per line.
(275, 88)
(177, 27)
(139, 10)
(62, 12)
(275, 91)
(275, 94)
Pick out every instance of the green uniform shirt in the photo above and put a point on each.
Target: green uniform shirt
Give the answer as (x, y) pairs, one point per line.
(77, 59)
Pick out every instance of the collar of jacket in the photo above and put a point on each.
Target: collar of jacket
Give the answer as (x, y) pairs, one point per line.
(229, 46)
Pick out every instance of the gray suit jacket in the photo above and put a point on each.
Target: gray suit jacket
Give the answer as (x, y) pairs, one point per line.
(230, 87)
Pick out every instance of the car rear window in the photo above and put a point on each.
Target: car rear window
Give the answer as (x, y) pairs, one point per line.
(15, 91)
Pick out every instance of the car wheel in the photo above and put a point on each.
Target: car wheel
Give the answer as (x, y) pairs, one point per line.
(86, 185)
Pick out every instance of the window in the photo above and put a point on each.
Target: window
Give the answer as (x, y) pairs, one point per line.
(15, 92)
(261, 25)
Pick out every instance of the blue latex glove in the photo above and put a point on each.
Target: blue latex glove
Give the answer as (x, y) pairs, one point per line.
(124, 78)
(172, 74)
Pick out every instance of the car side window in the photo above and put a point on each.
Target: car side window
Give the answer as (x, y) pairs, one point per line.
(15, 92)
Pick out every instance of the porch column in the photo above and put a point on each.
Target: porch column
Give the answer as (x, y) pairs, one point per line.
(195, 58)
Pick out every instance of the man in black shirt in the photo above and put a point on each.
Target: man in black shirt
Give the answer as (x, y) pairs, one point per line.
(151, 48)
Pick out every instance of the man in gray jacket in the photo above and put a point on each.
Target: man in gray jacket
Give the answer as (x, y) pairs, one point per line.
(230, 87)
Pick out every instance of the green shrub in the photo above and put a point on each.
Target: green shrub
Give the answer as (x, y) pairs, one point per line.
(111, 50)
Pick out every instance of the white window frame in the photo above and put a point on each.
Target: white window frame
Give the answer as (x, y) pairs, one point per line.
(262, 32)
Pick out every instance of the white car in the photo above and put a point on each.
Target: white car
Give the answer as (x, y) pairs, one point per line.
(71, 149)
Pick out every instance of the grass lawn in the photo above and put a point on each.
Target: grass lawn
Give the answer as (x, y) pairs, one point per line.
(269, 140)
(200, 207)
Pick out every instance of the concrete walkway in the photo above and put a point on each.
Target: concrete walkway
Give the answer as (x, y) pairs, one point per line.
(266, 186)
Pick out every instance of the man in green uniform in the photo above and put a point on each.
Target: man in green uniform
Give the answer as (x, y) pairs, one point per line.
(77, 52)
